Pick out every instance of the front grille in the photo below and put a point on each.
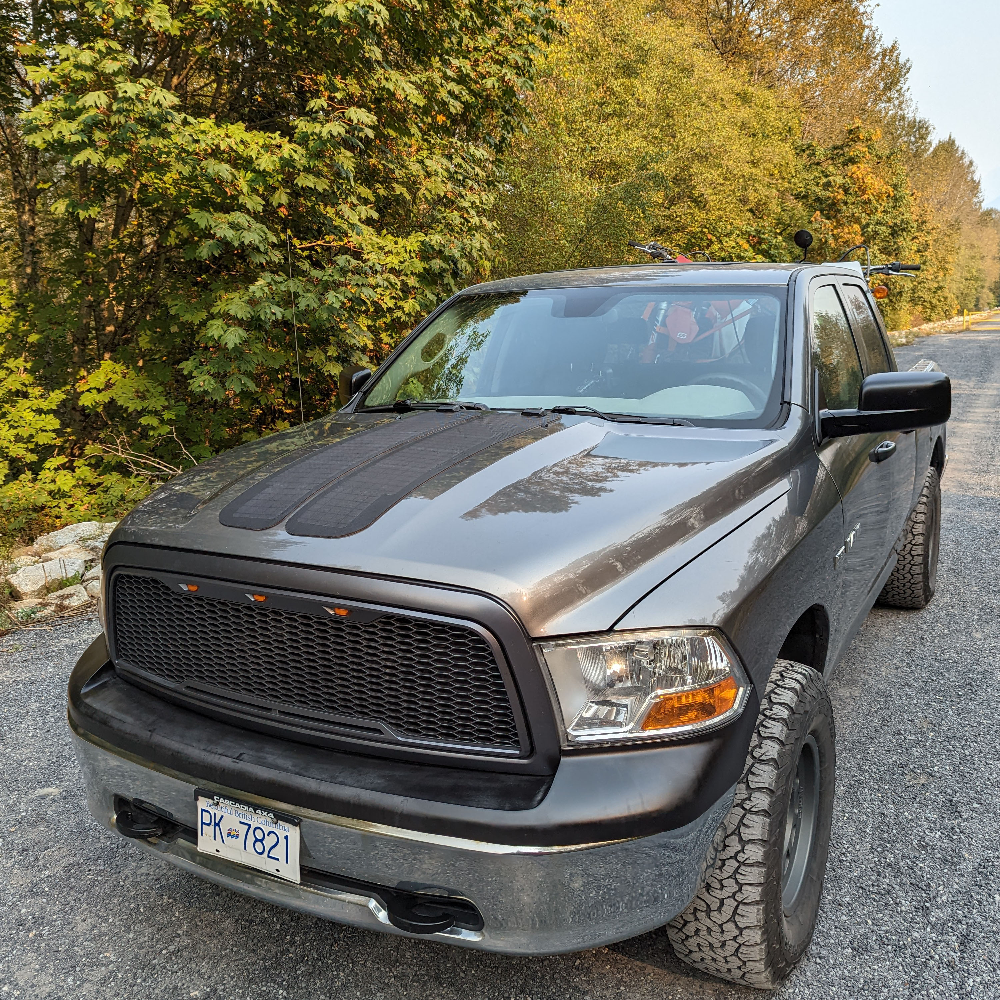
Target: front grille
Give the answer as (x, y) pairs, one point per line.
(397, 677)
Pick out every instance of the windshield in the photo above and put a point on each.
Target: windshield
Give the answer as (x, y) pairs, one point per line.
(700, 354)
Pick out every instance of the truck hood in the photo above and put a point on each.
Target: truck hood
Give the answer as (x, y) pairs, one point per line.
(568, 520)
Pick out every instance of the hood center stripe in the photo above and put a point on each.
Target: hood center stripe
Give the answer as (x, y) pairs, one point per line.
(358, 499)
(270, 501)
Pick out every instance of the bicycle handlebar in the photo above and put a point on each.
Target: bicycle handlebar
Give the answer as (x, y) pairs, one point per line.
(894, 268)
(655, 250)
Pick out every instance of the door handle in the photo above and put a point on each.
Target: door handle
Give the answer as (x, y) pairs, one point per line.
(882, 451)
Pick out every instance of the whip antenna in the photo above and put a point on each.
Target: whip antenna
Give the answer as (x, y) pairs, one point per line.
(295, 329)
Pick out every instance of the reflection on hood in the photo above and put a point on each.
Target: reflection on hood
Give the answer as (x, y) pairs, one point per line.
(557, 488)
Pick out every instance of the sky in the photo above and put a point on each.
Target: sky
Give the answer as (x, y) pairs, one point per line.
(955, 74)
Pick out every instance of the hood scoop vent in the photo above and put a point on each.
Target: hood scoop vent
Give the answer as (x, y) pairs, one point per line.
(349, 485)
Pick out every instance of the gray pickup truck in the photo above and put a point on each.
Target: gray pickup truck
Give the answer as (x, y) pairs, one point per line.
(523, 649)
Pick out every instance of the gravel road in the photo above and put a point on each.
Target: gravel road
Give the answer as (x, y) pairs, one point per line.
(912, 899)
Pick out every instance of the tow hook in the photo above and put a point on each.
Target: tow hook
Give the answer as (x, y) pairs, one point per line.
(412, 908)
(137, 823)
(418, 914)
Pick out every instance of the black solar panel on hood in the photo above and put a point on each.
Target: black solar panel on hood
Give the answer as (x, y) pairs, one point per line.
(360, 497)
(271, 500)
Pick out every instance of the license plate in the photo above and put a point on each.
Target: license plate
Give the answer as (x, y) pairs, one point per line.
(249, 836)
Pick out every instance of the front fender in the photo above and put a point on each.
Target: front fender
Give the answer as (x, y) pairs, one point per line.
(758, 580)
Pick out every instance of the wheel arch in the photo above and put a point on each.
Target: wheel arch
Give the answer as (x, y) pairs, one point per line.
(808, 640)
(938, 455)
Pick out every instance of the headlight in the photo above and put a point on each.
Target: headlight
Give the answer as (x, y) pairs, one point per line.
(644, 685)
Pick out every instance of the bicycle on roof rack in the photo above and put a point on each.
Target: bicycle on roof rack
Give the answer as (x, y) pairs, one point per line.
(803, 240)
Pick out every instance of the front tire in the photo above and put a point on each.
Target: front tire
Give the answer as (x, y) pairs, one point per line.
(754, 917)
(912, 582)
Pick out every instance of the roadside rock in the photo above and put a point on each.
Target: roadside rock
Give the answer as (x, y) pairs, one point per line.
(95, 546)
(19, 562)
(28, 581)
(28, 611)
(73, 533)
(33, 581)
(32, 570)
(72, 552)
(68, 597)
(7, 567)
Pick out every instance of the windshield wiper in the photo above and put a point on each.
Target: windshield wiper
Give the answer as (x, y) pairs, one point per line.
(401, 406)
(459, 404)
(640, 418)
(573, 410)
(623, 418)
(405, 405)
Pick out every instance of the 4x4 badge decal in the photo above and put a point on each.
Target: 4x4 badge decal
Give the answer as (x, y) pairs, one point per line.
(847, 546)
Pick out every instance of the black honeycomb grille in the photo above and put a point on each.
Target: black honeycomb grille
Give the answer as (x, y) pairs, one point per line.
(398, 676)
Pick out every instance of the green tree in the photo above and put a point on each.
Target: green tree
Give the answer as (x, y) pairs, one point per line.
(202, 169)
(637, 129)
(41, 486)
(725, 126)
(959, 241)
(210, 206)
(829, 58)
(857, 191)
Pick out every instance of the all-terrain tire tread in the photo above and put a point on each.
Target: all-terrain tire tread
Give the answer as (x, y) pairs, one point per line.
(725, 931)
(909, 585)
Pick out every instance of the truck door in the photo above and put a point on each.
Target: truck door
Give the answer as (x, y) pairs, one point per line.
(876, 356)
(866, 486)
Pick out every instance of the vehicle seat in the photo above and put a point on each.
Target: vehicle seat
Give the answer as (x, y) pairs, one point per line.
(758, 341)
(630, 330)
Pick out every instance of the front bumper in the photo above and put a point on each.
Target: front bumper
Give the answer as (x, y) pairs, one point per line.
(610, 845)
(533, 900)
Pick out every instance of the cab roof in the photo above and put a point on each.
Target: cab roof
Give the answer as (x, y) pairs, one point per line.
(658, 273)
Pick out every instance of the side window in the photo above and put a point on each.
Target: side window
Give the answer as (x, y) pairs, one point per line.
(866, 331)
(834, 355)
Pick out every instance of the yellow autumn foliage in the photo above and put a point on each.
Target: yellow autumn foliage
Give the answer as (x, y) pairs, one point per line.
(638, 129)
(722, 128)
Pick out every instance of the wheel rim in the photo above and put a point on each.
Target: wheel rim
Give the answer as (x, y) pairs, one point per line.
(800, 823)
(934, 537)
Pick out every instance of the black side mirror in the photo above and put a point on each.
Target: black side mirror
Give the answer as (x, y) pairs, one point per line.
(893, 401)
(346, 387)
(359, 380)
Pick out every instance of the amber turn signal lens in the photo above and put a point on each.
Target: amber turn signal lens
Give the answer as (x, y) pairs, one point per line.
(258, 597)
(685, 707)
(880, 292)
(192, 587)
